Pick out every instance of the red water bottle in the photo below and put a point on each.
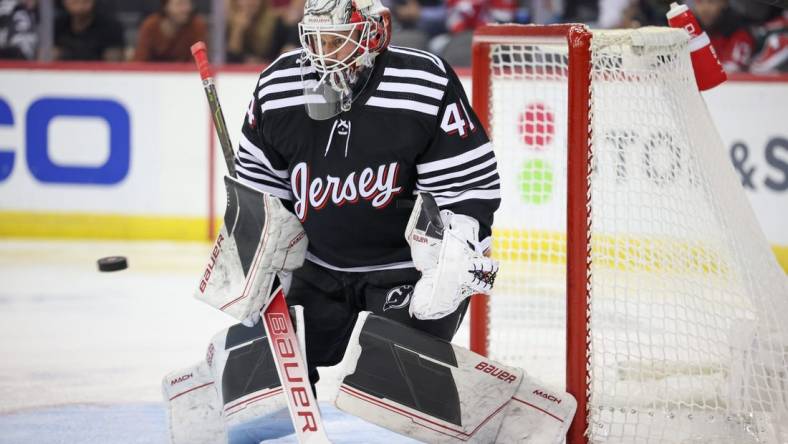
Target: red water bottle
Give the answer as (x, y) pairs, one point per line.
(708, 70)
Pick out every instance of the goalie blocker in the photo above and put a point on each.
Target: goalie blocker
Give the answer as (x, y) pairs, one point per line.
(421, 386)
(258, 240)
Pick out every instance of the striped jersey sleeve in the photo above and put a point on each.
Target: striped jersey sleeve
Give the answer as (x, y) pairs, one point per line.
(459, 167)
(257, 163)
(413, 81)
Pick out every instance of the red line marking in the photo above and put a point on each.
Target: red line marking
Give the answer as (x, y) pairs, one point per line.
(410, 415)
(163, 68)
(191, 389)
(125, 67)
(174, 68)
(745, 77)
(246, 402)
(538, 408)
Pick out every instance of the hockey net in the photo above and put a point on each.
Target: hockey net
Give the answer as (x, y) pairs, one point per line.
(660, 281)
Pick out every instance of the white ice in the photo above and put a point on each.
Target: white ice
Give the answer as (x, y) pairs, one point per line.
(82, 353)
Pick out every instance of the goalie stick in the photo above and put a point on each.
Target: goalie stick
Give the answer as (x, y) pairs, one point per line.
(290, 363)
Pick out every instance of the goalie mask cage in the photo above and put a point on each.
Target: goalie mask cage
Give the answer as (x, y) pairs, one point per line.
(633, 271)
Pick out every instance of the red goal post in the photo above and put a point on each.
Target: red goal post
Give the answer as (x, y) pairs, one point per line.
(578, 40)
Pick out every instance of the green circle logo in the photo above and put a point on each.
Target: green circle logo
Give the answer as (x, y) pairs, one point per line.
(536, 181)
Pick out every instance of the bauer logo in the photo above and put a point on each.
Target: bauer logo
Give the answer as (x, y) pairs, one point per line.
(277, 323)
(206, 276)
(398, 297)
(288, 359)
(496, 372)
(420, 239)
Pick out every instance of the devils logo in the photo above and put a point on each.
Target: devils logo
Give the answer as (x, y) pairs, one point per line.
(398, 297)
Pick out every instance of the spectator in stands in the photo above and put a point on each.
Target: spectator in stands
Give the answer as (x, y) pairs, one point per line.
(428, 16)
(772, 38)
(732, 42)
(256, 32)
(622, 14)
(464, 16)
(167, 35)
(467, 15)
(291, 12)
(18, 33)
(581, 11)
(415, 22)
(82, 33)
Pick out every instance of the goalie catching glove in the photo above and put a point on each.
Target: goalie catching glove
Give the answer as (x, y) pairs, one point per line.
(446, 250)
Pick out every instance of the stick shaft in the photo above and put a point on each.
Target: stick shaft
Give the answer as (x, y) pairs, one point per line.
(200, 54)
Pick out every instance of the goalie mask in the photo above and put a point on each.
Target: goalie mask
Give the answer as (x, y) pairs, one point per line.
(341, 39)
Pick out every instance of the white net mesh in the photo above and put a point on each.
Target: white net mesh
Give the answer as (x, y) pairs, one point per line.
(529, 131)
(688, 307)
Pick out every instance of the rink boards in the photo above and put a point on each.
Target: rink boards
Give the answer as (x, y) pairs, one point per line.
(123, 151)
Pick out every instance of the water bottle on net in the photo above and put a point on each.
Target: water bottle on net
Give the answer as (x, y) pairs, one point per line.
(708, 70)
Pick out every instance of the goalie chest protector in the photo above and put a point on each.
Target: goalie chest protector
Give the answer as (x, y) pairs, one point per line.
(350, 179)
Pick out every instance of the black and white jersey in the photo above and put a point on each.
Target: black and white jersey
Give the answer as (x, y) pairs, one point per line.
(347, 178)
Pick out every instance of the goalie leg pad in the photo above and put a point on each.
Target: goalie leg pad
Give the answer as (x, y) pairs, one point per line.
(240, 357)
(235, 393)
(421, 386)
(537, 414)
(194, 411)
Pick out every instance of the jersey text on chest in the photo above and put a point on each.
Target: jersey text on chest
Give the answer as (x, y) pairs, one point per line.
(378, 186)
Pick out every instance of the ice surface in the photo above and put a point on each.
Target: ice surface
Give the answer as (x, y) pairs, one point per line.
(82, 353)
(145, 423)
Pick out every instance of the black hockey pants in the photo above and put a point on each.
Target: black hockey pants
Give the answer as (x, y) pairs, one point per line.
(332, 300)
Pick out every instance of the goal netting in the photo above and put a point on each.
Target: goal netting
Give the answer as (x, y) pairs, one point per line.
(678, 311)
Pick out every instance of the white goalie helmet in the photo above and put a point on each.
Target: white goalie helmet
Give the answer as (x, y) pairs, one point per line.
(341, 39)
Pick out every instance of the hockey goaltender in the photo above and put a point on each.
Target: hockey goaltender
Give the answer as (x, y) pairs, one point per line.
(355, 142)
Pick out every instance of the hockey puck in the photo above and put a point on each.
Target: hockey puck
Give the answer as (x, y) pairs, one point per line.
(112, 263)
